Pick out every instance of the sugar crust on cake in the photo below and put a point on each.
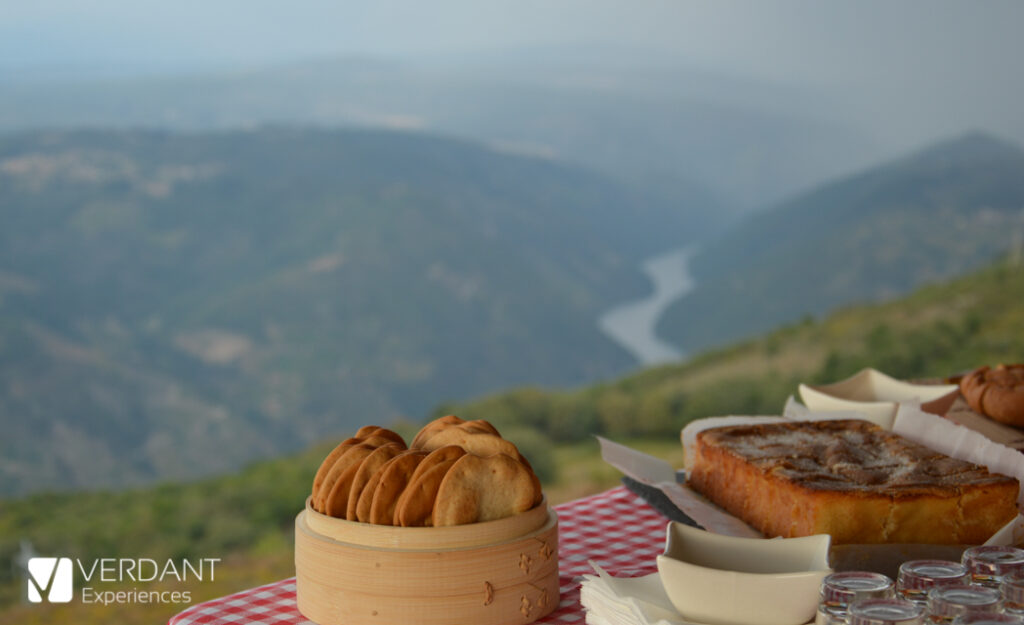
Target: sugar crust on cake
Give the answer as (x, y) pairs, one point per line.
(851, 479)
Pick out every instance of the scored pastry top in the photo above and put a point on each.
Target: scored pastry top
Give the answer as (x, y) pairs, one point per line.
(846, 455)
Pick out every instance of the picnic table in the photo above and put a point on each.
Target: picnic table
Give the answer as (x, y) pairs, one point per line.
(617, 529)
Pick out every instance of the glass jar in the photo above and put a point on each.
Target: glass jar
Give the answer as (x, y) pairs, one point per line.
(886, 612)
(840, 590)
(917, 577)
(945, 603)
(1012, 590)
(988, 619)
(989, 563)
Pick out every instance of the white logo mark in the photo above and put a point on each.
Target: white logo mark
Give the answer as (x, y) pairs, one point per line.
(50, 577)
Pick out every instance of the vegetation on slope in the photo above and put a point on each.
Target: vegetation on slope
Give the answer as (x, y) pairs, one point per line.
(937, 331)
(933, 215)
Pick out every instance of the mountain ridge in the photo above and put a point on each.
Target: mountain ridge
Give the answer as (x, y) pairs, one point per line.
(935, 213)
(694, 136)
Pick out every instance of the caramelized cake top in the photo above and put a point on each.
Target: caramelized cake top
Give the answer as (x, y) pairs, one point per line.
(846, 455)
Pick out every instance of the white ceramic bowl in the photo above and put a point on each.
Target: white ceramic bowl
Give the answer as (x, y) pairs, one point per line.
(721, 580)
(878, 396)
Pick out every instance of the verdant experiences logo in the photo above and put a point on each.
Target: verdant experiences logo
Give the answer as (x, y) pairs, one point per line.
(52, 580)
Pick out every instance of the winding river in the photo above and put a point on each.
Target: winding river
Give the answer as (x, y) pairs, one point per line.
(632, 324)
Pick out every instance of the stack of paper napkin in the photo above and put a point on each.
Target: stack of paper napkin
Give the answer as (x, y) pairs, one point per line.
(627, 600)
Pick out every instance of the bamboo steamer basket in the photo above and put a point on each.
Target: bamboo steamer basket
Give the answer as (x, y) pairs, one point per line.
(502, 572)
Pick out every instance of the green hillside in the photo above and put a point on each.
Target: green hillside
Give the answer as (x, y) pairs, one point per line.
(933, 215)
(245, 518)
(937, 331)
(173, 305)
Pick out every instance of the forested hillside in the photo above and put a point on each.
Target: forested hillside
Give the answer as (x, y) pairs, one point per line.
(173, 305)
(932, 215)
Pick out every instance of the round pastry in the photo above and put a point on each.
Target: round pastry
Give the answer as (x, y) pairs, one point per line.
(998, 393)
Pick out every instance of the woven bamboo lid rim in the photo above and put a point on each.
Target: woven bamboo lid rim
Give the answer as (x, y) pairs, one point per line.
(454, 537)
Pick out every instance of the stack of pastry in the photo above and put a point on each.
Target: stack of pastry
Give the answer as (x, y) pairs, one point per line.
(454, 472)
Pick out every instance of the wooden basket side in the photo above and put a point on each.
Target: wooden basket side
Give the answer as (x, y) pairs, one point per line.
(510, 583)
(365, 569)
(513, 605)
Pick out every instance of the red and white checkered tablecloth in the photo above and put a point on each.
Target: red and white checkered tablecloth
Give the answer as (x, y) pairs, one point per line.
(616, 529)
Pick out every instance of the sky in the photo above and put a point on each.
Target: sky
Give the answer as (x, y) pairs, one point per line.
(855, 42)
(924, 60)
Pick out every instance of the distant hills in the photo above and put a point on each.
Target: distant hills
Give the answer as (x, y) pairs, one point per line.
(176, 304)
(173, 305)
(926, 217)
(936, 331)
(702, 140)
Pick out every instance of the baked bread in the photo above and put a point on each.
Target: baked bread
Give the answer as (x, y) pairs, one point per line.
(416, 505)
(367, 468)
(427, 432)
(338, 460)
(478, 443)
(373, 478)
(335, 500)
(850, 479)
(479, 489)
(366, 497)
(997, 393)
(394, 477)
(375, 430)
(432, 428)
(327, 464)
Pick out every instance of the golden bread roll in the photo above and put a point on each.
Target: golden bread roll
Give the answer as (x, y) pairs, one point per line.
(366, 431)
(335, 499)
(416, 504)
(373, 478)
(325, 466)
(997, 393)
(479, 426)
(393, 480)
(342, 463)
(367, 469)
(478, 489)
(432, 428)
(366, 497)
(478, 444)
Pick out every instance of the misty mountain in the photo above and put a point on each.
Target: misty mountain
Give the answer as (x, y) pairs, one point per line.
(923, 218)
(694, 137)
(176, 304)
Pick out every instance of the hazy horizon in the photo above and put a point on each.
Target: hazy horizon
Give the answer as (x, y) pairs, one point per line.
(909, 72)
